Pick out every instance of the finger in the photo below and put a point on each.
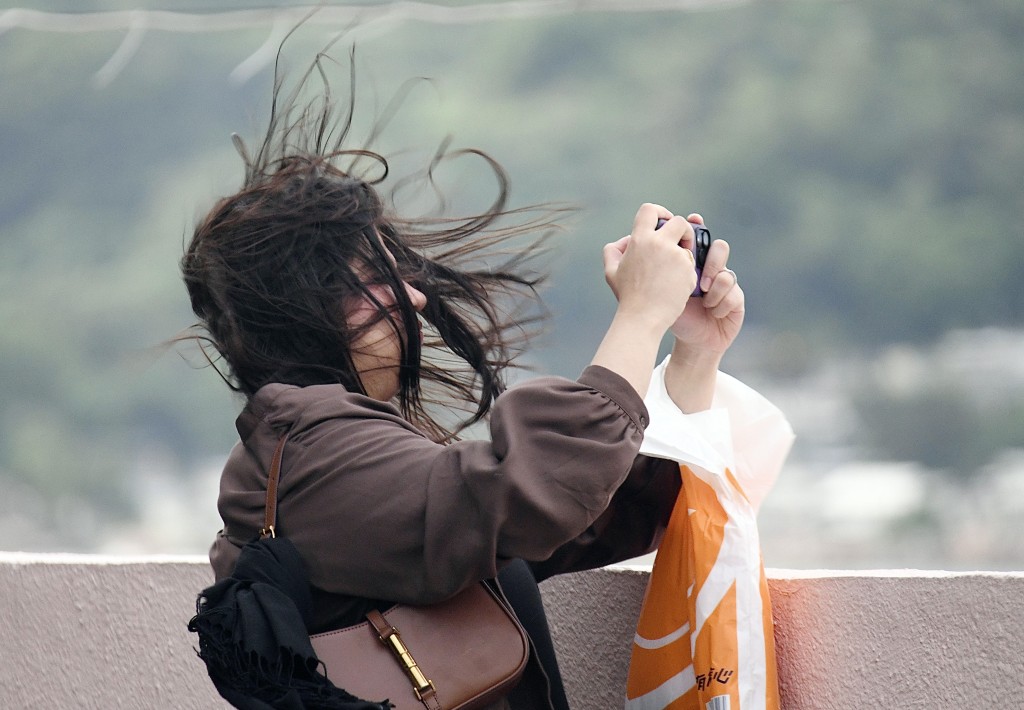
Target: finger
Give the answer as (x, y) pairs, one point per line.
(612, 255)
(679, 230)
(650, 209)
(716, 261)
(721, 287)
(694, 218)
(619, 244)
(732, 302)
(648, 215)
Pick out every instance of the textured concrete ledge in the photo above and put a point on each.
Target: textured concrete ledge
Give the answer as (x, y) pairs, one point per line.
(103, 632)
(845, 640)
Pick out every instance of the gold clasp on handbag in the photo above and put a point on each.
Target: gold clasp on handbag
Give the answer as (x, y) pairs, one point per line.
(420, 683)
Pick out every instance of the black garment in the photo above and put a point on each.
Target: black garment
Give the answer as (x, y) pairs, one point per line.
(523, 594)
(253, 638)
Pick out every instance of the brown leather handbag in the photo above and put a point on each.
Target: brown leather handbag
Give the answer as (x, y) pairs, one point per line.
(461, 654)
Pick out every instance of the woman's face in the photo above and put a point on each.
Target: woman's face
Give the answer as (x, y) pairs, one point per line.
(377, 351)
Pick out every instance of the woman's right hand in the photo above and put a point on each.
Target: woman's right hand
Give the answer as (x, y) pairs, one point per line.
(652, 277)
(650, 274)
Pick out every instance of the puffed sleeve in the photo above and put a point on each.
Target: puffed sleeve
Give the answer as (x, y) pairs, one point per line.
(377, 510)
(632, 524)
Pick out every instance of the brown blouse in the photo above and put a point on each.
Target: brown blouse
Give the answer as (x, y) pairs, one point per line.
(379, 511)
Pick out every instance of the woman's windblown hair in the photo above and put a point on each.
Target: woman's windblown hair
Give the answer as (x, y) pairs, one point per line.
(269, 269)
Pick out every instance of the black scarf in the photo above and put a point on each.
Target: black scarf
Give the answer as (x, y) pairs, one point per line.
(253, 638)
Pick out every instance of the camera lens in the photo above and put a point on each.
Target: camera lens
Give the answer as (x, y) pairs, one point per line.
(701, 244)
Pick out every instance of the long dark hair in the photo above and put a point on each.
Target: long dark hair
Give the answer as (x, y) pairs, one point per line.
(268, 268)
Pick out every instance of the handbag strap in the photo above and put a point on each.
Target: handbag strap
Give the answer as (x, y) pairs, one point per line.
(270, 511)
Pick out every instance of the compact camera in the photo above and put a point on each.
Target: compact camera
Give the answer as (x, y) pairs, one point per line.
(701, 244)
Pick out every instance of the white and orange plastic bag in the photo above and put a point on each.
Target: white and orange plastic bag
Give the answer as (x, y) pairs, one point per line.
(704, 640)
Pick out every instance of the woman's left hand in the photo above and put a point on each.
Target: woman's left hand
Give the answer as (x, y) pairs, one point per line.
(709, 325)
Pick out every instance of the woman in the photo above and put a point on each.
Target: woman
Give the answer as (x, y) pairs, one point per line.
(345, 327)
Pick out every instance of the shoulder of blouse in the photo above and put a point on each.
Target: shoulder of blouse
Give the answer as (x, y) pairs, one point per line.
(283, 406)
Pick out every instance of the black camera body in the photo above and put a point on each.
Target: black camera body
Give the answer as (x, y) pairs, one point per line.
(701, 245)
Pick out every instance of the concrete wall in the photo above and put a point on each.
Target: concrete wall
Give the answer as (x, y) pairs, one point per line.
(845, 640)
(95, 632)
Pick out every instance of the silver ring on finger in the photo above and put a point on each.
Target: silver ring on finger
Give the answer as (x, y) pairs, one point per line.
(735, 279)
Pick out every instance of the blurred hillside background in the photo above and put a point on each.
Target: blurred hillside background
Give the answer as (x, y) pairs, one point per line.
(865, 159)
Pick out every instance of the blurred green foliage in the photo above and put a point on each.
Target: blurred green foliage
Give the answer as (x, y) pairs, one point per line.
(864, 159)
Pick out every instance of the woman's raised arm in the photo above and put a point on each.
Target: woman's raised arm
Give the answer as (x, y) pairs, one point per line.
(652, 277)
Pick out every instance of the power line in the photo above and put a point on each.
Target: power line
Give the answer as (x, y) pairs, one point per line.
(136, 23)
(400, 10)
